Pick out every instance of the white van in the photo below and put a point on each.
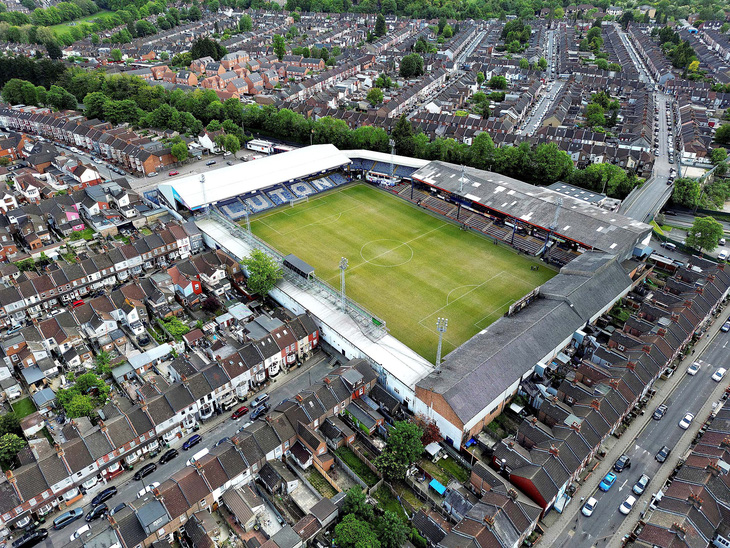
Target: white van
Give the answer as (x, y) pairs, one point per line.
(197, 456)
(669, 245)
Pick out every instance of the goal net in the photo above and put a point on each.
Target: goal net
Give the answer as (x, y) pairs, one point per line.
(296, 201)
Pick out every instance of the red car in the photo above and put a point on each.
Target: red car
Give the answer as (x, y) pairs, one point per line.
(173, 173)
(240, 412)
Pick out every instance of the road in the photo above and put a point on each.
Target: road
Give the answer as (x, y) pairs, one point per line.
(689, 396)
(285, 387)
(544, 103)
(644, 75)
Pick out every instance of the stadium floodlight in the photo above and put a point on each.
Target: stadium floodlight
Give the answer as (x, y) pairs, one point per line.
(343, 267)
(202, 186)
(441, 325)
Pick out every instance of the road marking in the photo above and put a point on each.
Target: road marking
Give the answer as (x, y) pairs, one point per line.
(623, 485)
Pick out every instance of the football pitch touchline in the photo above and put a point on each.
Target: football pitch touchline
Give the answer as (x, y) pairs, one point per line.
(508, 301)
(367, 261)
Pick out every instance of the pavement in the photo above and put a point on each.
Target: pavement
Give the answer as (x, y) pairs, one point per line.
(641, 441)
(284, 386)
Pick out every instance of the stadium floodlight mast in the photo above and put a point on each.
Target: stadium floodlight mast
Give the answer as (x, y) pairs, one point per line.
(202, 186)
(391, 142)
(441, 325)
(343, 267)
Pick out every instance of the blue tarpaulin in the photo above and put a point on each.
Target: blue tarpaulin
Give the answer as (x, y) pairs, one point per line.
(436, 486)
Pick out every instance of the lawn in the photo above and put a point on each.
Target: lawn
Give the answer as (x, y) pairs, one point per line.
(24, 407)
(63, 28)
(387, 501)
(408, 267)
(357, 466)
(454, 468)
(321, 484)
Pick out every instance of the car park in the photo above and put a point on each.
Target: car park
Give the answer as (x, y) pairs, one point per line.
(146, 470)
(607, 482)
(67, 517)
(719, 374)
(168, 456)
(640, 485)
(240, 412)
(663, 453)
(104, 496)
(685, 421)
(97, 512)
(623, 463)
(694, 368)
(659, 412)
(80, 531)
(589, 506)
(31, 539)
(627, 505)
(192, 441)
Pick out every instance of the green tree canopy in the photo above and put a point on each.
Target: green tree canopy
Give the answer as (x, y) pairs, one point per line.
(380, 27)
(403, 136)
(718, 155)
(722, 135)
(686, 192)
(245, 24)
(375, 96)
(498, 82)
(180, 151)
(356, 502)
(402, 449)
(263, 272)
(411, 66)
(352, 532)
(392, 531)
(704, 234)
(10, 446)
(279, 46)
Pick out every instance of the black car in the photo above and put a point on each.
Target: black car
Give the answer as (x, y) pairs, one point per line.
(659, 412)
(623, 463)
(146, 470)
(31, 539)
(663, 453)
(104, 496)
(192, 441)
(143, 340)
(97, 512)
(259, 411)
(168, 456)
(212, 162)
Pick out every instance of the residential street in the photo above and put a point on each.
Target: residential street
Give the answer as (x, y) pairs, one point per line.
(286, 386)
(644, 438)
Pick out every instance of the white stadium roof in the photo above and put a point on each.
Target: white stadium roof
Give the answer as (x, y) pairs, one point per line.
(384, 157)
(228, 182)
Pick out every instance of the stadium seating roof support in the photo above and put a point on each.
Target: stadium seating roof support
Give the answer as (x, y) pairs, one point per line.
(240, 179)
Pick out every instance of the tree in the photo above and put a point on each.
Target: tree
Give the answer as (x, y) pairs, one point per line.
(403, 136)
(10, 446)
(542, 63)
(448, 32)
(375, 96)
(352, 532)
(79, 406)
(431, 432)
(550, 164)
(211, 304)
(263, 272)
(498, 82)
(356, 503)
(245, 24)
(116, 54)
(718, 155)
(102, 361)
(524, 64)
(232, 144)
(722, 135)
(10, 424)
(705, 234)
(279, 46)
(480, 78)
(411, 66)
(402, 449)
(179, 151)
(686, 192)
(392, 531)
(380, 28)
(54, 50)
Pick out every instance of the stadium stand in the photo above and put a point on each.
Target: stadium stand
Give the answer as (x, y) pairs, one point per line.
(338, 179)
(404, 171)
(362, 165)
(279, 195)
(381, 167)
(259, 202)
(233, 208)
(323, 183)
(301, 189)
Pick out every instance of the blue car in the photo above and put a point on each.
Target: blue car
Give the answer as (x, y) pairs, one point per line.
(607, 482)
(192, 441)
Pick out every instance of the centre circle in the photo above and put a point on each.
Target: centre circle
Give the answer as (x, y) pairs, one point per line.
(386, 253)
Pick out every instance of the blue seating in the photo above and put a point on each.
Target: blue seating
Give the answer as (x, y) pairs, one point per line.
(233, 208)
(338, 179)
(259, 202)
(404, 171)
(382, 168)
(301, 189)
(323, 183)
(279, 195)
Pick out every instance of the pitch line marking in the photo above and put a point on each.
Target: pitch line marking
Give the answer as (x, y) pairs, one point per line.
(386, 252)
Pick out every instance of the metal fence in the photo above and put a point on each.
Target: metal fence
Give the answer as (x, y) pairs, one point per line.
(371, 325)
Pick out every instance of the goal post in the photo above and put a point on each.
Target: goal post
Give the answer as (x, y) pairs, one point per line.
(296, 201)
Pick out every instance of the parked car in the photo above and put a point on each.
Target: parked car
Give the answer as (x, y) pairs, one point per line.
(722, 256)
(663, 453)
(607, 482)
(146, 470)
(31, 539)
(725, 327)
(685, 421)
(97, 512)
(80, 531)
(589, 506)
(143, 340)
(221, 441)
(640, 485)
(694, 368)
(152, 174)
(229, 162)
(173, 173)
(104, 496)
(240, 412)
(118, 508)
(627, 505)
(623, 463)
(258, 400)
(210, 163)
(146, 489)
(258, 412)
(719, 374)
(67, 517)
(168, 456)
(192, 441)
(660, 412)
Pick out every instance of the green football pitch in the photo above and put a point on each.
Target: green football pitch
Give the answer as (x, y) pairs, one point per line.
(406, 266)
